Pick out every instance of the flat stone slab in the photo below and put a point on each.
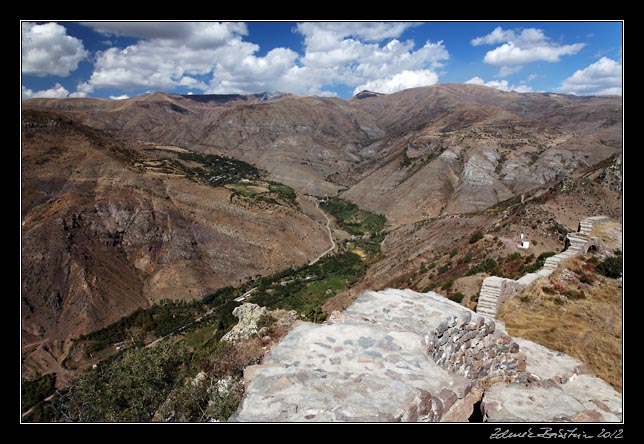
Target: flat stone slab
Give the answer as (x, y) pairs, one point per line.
(562, 390)
(349, 373)
(543, 363)
(583, 398)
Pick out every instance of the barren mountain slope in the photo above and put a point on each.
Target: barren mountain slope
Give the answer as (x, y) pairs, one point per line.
(436, 250)
(461, 148)
(300, 140)
(107, 228)
(422, 152)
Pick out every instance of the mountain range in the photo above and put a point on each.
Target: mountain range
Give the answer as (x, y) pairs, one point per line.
(125, 203)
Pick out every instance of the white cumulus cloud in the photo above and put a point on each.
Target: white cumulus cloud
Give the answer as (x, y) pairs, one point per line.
(325, 36)
(48, 50)
(600, 78)
(217, 58)
(121, 97)
(518, 48)
(400, 81)
(55, 92)
(169, 54)
(502, 85)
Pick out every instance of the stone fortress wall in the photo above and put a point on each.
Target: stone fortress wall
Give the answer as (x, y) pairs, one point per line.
(495, 290)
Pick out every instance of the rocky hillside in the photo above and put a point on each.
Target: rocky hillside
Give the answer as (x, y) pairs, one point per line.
(418, 153)
(110, 225)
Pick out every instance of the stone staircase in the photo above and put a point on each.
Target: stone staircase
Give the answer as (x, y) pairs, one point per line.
(586, 225)
(489, 297)
(494, 289)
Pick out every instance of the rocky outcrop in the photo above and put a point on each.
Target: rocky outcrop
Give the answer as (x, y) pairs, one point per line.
(558, 388)
(494, 289)
(248, 315)
(399, 355)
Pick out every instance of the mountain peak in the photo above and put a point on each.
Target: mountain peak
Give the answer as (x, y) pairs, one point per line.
(366, 94)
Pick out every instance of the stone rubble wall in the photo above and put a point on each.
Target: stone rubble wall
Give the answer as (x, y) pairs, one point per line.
(495, 290)
(473, 347)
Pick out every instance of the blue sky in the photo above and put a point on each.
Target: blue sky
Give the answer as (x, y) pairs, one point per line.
(124, 59)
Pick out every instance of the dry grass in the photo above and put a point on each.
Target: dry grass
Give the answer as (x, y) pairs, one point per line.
(588, 329)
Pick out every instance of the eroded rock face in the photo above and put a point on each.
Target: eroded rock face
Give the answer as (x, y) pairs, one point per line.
(248, 315)
(399, 355)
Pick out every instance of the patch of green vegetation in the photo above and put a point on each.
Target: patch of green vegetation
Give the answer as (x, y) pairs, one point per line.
(476, 236)
(538, 264)
(513, 257)
(447, 285)
(406, 160)
(454, 252)
(430, 287)
(489, 266)
(443, 268)
(466, 259)
(283, 190)
(556, 227)
(129, 388)
(457, 297)
(36, 390)
(610, 267)
(306, 289)
(351, 218)
(199, 336)
(160, 319)
(218, 170)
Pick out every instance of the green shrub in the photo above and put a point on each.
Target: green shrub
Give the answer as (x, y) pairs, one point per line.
(447, 285)
(457, 297)
(454, 252)
(476, 236)
(538, 264)
(283, 190)
(574, 295)
(466, 259)
(611, 267)
(513, 257)
(443, 269)
(36, 390)
(549, 290)
(489, 266)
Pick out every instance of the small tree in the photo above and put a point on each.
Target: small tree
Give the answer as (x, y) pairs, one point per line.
(476, 236)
